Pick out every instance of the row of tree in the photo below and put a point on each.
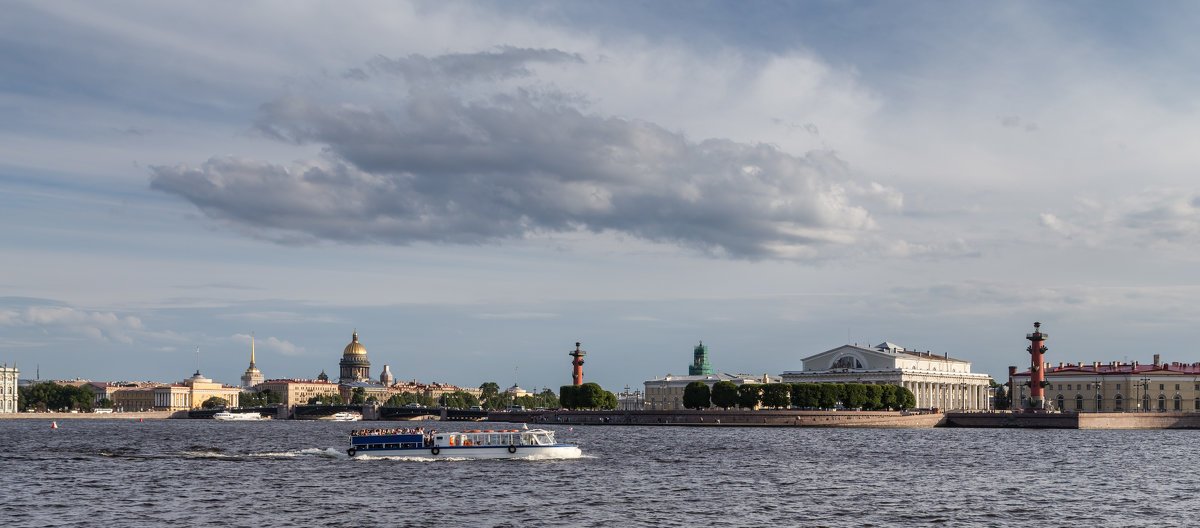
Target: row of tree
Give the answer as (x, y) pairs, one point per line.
(586, 396)
(727, 394)
(51, 396)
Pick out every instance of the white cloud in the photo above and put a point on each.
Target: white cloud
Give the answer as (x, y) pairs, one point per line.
(95, 325)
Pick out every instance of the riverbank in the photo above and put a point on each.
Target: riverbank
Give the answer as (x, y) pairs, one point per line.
(148, 415)
(718, 418)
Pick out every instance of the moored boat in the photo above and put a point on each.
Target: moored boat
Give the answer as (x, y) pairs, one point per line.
(511, 443)
(346, 416)
(226, 416)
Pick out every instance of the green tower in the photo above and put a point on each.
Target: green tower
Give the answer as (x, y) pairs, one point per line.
(700, 366)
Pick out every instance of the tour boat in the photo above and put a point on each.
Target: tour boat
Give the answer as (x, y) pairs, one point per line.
(226, 416)
(346, 417)
(511, 443)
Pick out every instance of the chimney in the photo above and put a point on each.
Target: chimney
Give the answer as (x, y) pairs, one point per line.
(1156, 362)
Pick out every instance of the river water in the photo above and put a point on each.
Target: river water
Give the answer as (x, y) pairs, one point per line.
(295, 473)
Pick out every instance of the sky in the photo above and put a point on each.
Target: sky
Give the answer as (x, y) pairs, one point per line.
(474, 187)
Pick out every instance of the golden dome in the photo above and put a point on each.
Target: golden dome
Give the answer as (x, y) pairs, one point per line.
(355, 348)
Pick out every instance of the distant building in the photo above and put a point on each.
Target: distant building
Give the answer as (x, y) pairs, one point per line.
(298, 391)
(323, 376)
(936, 381)
(192, 393)
(1114, 387)
(136, 398)
(252, 376)
(386, 378)
(665, 394)
(9, 380)
(700, 365)
(354, 364)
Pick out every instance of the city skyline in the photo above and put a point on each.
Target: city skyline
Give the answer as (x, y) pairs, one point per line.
(476, 186)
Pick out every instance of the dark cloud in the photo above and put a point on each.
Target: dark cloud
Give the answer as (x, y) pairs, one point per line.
(443, 169)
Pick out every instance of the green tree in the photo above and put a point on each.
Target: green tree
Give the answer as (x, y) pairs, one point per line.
(696, 395)
(358, 395)
(548, 399)
(458, 400)
(214, 402)
(776, 395)
(829, 395)
(105, 403)
(874, 397)
(55, 397)
(749, 394)
(725, 394)
(854, 395)
(888, 397)
(905, 398)
(489, 391)
(609, 401)
(593, 396)
(1002, 400)
(806, 395)
(568, 396)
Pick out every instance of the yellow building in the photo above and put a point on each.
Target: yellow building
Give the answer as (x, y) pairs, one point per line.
(1114, 387)
(298, 391)
(129, 399)
(192, 393)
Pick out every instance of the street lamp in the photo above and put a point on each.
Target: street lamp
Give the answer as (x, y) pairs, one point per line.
(1145, 388)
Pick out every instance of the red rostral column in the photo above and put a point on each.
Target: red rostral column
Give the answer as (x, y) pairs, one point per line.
(577, 372)
(1036, 376)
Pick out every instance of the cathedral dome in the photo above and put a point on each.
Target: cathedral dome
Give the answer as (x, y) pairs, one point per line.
(355, 348)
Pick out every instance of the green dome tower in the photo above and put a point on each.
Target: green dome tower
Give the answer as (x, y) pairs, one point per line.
(700, 365)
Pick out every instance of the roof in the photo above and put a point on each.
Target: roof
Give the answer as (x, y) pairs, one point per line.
(1123, 369)
(888, 348)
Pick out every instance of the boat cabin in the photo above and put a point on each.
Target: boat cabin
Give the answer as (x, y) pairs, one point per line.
(479, 438)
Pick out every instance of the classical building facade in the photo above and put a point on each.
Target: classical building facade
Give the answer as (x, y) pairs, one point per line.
(354, 364)
(252, 376)
(299, 391)
(666, 393)
(8, 388)
(1114, 387)
(192, 393)
(936, 381)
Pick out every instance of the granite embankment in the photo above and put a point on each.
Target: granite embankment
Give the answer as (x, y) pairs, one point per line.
(717, 418)
(149, 415)
(1071, 420)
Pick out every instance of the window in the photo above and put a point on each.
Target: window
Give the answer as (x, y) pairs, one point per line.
(1176, 386)
(1089, 386)
(1068, 386)
(1198, 404)
(1162, 403)
(1161, 386)
(1118, 407)
(1178, 403)
(1099, 402)
(1078, 402)
(1118, 386)
(1060, 402)
(1060, 386)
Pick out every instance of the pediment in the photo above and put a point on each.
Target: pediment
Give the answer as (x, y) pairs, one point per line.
(849, 357)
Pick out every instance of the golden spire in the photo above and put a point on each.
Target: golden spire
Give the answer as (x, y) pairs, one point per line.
(251, 349)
